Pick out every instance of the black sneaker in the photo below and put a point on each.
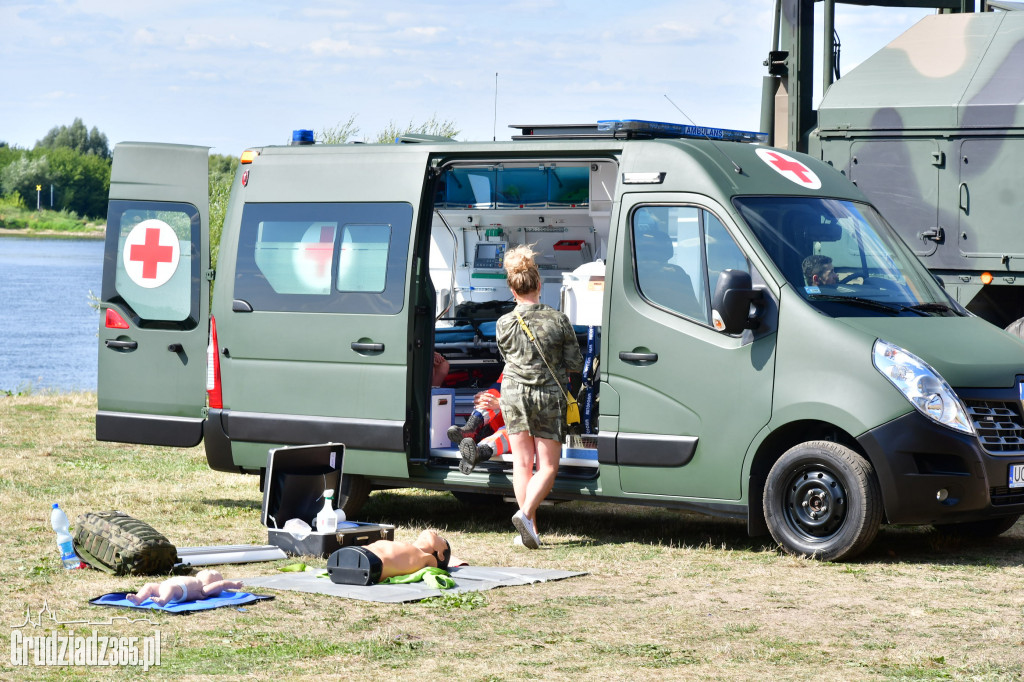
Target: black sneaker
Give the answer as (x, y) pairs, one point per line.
(471, 429)
(468, 450)
(473, 454)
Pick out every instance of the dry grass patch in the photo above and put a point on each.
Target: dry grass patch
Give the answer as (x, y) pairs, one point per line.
(667, 596)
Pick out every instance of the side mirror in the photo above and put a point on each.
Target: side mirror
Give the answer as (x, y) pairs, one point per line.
(734, 307)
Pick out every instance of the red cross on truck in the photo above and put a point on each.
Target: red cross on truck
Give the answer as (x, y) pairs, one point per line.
(789, 168)
(151, 252)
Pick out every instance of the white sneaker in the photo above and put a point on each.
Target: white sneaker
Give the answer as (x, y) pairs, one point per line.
(517, 541)
(526, 530)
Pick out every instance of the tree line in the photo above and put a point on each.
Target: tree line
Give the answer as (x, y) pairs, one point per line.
(75, 162)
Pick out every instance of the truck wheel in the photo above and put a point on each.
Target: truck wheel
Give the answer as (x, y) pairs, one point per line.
(355, 490)
(986, 528)
(822, 500)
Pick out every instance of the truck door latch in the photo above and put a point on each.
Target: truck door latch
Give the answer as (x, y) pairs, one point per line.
(936, 234)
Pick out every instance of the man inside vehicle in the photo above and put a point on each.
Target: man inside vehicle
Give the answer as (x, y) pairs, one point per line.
(819, 272)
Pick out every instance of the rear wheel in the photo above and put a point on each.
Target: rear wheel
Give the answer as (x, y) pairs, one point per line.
(986, 528)
(355, 490)
(822, 500)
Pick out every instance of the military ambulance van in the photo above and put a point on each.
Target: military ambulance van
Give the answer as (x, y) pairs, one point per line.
(723, 378)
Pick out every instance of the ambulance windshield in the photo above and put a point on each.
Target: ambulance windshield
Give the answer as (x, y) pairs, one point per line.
(843, 258)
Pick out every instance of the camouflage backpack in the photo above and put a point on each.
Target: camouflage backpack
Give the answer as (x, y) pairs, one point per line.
(120, 544)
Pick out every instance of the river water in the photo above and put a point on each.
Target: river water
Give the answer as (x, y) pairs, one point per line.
(47, 327)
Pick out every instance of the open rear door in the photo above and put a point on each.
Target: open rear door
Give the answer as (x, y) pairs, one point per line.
(154, 317)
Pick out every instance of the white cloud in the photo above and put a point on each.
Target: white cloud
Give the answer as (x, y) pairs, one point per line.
(144, 36)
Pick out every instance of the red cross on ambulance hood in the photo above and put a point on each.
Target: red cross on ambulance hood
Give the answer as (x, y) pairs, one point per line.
(151, 253)
(789, 168)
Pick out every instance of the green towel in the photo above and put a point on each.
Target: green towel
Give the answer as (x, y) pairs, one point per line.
(303, 568)
(434, 577)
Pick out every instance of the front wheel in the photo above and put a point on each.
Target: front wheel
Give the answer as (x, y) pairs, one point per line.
(822, 500)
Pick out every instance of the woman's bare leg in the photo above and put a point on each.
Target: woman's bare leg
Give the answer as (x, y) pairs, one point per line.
(540, 484)
(523, 450)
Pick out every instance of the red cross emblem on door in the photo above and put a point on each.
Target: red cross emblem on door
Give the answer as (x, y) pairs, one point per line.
(151, 253)
(789, 168)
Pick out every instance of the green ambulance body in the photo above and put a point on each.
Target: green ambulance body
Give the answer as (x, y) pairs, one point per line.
(725, 384)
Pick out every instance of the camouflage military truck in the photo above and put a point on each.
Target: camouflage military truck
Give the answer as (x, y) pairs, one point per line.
(931, 128)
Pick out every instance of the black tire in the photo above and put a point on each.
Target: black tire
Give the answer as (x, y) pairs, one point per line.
(986, 528)
(822, 501)
(355, 490)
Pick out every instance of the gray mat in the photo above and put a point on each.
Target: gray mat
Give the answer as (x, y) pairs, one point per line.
(467, 579)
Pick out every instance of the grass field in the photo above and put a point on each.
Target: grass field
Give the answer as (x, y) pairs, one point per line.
(667, 596)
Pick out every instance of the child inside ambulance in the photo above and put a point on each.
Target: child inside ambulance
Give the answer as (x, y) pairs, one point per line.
(484, 424)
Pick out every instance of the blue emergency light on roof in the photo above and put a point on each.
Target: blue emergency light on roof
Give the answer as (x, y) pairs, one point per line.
(302, 137)
(651, 129)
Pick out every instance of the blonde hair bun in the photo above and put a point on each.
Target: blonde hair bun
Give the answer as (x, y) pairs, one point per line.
(519, 259)
(521, 268)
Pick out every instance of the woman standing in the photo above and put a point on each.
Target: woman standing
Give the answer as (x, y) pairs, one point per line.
(532, 393)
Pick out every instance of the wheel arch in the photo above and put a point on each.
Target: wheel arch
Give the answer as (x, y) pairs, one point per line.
(773, 447)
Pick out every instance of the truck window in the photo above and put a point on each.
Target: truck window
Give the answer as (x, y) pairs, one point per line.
(678, 252)
(156, 275)
(342, 258)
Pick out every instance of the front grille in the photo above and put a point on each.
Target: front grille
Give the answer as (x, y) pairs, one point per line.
(999, 425)
(1002, 495)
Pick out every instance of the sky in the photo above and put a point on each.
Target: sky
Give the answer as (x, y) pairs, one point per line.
(232, 75)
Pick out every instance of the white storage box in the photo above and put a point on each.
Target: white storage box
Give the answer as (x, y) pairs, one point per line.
(583, 293)
(442, 415)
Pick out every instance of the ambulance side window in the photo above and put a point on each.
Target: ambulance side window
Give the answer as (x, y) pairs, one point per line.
(156, 270)
(679, 252)
(666, 249)
(341, 258)
(722, 251)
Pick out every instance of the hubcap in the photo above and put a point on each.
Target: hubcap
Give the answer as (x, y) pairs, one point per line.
(815, 503)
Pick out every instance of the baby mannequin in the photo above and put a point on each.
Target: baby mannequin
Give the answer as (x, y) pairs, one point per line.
(206, 583)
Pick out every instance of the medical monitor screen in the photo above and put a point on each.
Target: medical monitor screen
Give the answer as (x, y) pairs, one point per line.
(490, 256)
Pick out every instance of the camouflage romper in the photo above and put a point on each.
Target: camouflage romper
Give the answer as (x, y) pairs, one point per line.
(530, 398)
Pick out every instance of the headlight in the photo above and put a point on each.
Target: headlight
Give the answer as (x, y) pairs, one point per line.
(922, 385)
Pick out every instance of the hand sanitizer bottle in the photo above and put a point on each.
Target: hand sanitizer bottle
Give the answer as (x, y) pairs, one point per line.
(327, 518)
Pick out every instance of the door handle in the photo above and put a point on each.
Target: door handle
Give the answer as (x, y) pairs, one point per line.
(121, 345)
(360, 347)
(638, 357)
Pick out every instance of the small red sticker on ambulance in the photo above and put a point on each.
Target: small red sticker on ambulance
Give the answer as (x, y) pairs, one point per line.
(789, 168)
(151, 253)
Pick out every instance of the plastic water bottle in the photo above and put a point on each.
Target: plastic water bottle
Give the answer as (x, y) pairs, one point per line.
(60, 525)
(327, 518)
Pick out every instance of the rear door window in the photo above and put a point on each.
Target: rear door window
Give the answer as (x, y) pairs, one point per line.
(342, 258)
(156, 270)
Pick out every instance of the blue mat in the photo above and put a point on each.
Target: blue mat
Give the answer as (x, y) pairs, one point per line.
(225, 598)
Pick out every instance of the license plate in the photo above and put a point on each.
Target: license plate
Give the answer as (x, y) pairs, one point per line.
(1017, 475)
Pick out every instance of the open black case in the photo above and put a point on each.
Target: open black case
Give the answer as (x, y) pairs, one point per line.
(293, 488)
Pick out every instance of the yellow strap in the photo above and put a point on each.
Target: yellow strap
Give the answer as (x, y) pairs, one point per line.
(522, 323)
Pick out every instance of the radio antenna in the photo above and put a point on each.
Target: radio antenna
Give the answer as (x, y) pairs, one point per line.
(494, 130)
(720, 150)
